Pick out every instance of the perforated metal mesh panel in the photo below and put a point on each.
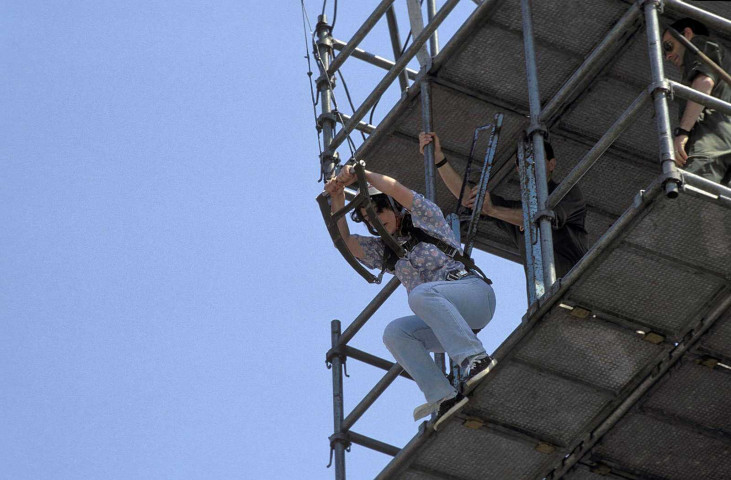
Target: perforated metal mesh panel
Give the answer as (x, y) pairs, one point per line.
(637, 285)
(588, 349)
(582, 472)
(698, 240)
(650, 446)
(417, 475)
(697, 394)
(480, 454)
(589, 22)
(719, 339)
(545, 405)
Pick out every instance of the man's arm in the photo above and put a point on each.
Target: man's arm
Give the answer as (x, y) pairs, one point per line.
(453, 181)
(450, 177)
(704, 84)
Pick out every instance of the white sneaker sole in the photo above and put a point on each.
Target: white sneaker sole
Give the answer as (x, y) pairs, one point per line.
(448, 414)
(472, 382)
(425, 410)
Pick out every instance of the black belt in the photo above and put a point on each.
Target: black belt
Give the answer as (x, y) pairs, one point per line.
(457, 275)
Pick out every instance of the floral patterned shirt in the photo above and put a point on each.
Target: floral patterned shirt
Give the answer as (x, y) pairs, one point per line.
(425, 263)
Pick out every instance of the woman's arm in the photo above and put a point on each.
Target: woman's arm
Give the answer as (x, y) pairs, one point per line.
(337, 201)
(384, 183)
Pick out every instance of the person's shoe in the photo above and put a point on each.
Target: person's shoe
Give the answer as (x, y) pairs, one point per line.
(476, 370)
(449, 407)
(425, 410)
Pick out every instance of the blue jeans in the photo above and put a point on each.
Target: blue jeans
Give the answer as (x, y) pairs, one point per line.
(446, 313)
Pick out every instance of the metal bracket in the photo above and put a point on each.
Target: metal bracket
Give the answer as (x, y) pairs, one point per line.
(661, 86)
(329, 116)
(342, 437)
(536, 128)
(338, 352)
(707, 361)
(660, 4)
(544, 214)
(328, 81)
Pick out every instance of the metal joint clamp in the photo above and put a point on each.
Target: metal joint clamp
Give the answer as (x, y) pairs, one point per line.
(544, 214)
(341, 437)
(328, 116)
(327, 80)
(338, 352)
(661, 86)
(660, 4)
(536, 128)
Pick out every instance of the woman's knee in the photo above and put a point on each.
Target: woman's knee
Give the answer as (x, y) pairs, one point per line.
(418, 296)
(392, 333)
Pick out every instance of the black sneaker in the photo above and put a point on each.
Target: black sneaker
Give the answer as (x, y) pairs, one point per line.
(476, 371)
(448, 408)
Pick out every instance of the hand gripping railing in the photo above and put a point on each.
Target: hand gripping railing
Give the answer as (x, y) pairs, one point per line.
(361, 200)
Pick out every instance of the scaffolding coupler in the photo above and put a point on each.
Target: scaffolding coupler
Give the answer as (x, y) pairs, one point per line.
(342, 438)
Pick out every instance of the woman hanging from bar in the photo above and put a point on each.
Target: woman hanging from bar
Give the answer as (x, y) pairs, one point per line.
(450, 302)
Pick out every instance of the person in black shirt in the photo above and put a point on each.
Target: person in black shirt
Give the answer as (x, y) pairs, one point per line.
(702, 139)
(569, 232)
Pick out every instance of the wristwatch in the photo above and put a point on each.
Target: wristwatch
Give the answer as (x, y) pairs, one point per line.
(680, 131)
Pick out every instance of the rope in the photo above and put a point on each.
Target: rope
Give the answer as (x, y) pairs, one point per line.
(350, 100)
(305, 25)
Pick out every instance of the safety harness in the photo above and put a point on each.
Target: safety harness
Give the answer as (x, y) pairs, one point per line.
(416, 236)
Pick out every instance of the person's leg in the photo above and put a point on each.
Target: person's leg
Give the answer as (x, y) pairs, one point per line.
(711, 168)
(410, 340)
(452, 310)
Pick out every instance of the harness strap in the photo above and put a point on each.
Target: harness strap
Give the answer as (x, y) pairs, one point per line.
(417, 236)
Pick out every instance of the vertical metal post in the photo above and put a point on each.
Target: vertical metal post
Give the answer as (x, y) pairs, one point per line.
(431, 10)
(533, 259)
(427, 126)
(326, 119)
(535, 134)
(660, 96)
(338, 443)
(403, 77)
(430, 184)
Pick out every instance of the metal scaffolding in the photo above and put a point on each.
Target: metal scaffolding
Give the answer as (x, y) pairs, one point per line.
(613, 349)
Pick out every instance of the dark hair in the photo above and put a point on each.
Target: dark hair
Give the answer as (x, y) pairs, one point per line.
(380, 202)
(549, 153)
(697, 27)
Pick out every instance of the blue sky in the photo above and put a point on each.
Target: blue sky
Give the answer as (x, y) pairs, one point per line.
(167, 283)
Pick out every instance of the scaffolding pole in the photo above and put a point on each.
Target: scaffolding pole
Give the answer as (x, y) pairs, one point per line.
(536, 132)
(596, 59)
(660, 97)
(338, 442)
(711, 20)
(393, 33)
(326, 119)
(591, 157)
(403, 60)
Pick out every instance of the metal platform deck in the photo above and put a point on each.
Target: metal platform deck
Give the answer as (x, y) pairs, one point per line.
(481, 71)
(614, 374)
